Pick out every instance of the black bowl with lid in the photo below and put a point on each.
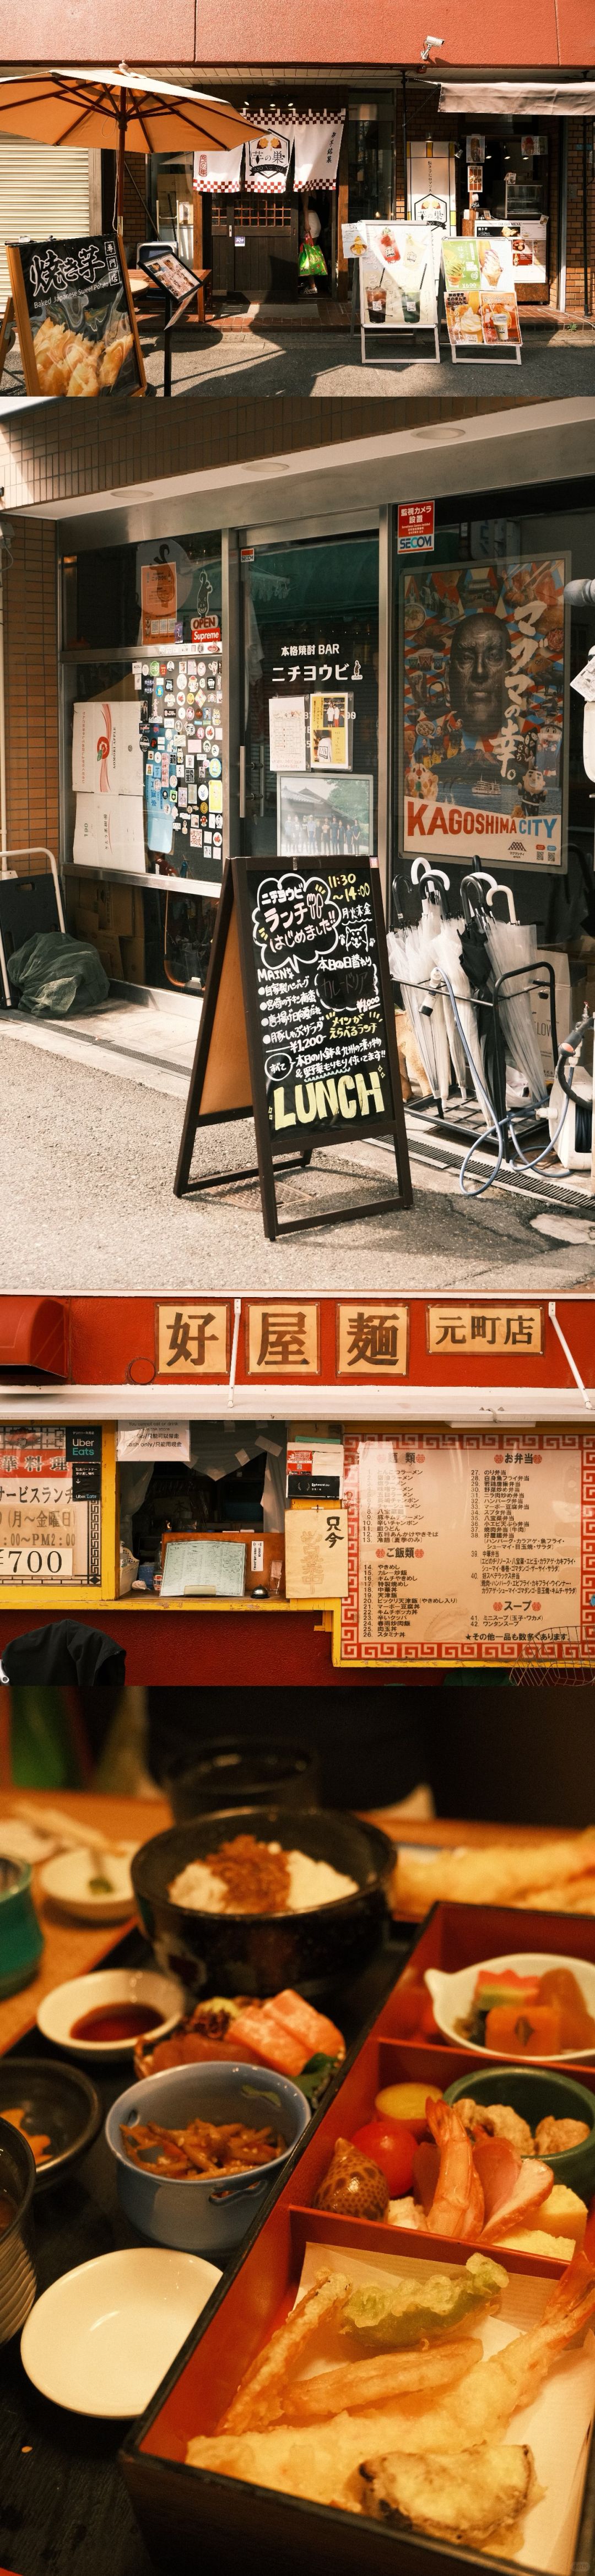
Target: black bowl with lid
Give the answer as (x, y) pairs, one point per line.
(259, 1954)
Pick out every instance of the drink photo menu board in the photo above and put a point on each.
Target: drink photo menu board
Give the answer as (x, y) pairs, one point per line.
(480, 298)
(469, 1548)
(397, 282)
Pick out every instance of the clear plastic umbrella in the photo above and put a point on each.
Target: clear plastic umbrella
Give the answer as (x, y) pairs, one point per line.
(411, 961)
(512, 944)
(447, 953)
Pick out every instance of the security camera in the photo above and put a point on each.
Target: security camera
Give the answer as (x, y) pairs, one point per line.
(429, 42)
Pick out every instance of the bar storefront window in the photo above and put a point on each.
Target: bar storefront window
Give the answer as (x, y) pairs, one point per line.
(311, 629)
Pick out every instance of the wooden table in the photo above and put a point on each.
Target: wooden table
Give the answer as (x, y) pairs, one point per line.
(72, 1948)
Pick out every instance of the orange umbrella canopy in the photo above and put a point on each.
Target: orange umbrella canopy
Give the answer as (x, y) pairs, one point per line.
(87, 108)
(126, 111)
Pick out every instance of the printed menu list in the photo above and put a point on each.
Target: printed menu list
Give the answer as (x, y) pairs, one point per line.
(459, 1540)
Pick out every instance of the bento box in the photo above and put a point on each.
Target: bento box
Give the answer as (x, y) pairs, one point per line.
(200, 2504)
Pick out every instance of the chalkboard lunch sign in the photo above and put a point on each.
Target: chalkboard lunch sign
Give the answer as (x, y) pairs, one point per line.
(297, 1027)
(75, 318)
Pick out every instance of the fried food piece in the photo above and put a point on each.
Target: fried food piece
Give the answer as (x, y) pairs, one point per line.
(409, 2312)
(533, 2240)
(353, 2186)
(372, 2383)
(496, 2120)
(554, 2137)
(465, 2500)
(506, 1874)
(259, 2399)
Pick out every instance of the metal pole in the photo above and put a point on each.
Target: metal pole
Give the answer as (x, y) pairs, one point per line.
(404, 86)
(232, 673)
(585, 224)
(122, 119)
(386, 623)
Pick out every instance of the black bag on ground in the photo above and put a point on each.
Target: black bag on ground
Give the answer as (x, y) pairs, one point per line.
(54, 974)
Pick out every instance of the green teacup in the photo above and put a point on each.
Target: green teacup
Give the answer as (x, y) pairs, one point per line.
(21, 1941)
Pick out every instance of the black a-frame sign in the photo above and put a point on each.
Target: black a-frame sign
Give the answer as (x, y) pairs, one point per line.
(297, 1028)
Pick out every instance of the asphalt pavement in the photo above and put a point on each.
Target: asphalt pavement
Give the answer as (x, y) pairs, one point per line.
(87, 1163)
(554, 367)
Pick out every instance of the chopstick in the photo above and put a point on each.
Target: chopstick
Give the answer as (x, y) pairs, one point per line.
(71, 1832)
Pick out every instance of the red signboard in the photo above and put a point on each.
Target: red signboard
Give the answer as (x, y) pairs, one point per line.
(415, 535)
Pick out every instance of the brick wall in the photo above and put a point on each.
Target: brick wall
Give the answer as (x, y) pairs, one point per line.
(31, 686)
(574, 232)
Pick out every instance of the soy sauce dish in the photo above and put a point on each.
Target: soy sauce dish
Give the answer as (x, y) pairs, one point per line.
(104, 2015)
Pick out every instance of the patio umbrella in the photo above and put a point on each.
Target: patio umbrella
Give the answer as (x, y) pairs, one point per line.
(98, 110)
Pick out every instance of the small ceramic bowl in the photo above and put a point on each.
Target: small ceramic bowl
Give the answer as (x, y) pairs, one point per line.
(109, 1986)
(203, 2215)
(73, 1881)
(56, 2102)
(101, 2339)
(21, 1940)
(17, 2260)
(536, 2095)
(452, 1997)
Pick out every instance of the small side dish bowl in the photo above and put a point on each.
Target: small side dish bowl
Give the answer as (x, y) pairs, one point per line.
(208, 2214)
(91, 1888)
(17, 2259)
(102, 2337)
(54, 2101)
(452, 1998)
(537, 2094)
(111, 1989)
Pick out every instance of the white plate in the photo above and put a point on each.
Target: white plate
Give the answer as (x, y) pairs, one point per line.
(101, 2339)
(66, 1879)
(66, 2004)
(452, 1997)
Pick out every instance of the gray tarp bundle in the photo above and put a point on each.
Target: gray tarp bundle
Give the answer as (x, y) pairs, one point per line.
(54, 975)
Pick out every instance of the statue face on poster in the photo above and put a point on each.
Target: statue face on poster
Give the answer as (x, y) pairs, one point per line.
(477, 672)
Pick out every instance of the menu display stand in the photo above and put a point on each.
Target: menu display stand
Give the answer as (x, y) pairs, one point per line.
(480, 309)
(297, 1029)
(404, 326)
(183, 288)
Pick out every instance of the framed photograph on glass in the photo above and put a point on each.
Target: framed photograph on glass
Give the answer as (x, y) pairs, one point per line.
(322, 815)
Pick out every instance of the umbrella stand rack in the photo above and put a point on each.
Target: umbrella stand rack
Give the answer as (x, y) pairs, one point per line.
(464, 1121)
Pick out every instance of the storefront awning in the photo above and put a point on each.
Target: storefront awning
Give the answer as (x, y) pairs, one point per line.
(315, 141)
(34, 1335)
(515, 98)
(218, 173)
(317, 148)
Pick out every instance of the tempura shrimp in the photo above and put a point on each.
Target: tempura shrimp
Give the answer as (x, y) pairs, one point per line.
(509, 2379)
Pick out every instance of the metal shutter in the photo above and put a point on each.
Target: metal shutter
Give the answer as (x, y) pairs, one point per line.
(42, 191)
